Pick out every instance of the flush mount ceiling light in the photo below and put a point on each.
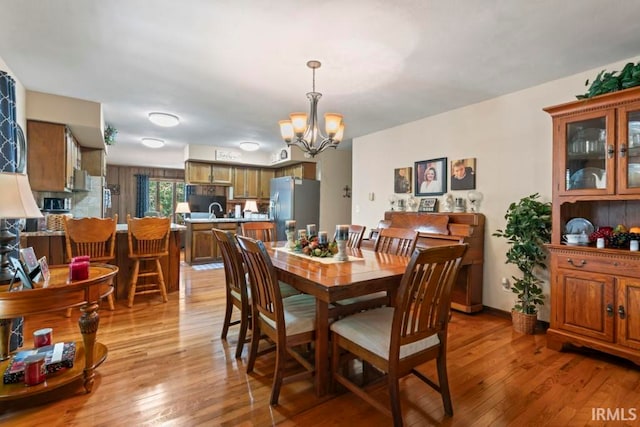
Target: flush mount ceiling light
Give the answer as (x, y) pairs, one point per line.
(164, 119)
(249, 146)
(152, 142)
(305, 134)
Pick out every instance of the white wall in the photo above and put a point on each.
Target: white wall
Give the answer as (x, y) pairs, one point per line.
(511, 139)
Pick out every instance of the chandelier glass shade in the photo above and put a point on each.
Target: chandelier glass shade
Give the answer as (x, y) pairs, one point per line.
(302, 130)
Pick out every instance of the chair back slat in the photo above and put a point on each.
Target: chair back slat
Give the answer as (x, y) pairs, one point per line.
(148, 236)
(265, 291)
(424, 297)
(232, 259)
(356, 233)
(396, 241)
(259, 230)
(94, 237)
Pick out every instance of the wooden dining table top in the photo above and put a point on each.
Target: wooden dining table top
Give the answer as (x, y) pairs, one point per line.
(367, 272)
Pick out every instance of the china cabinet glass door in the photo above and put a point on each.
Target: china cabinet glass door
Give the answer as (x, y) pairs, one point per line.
(589, 155)
(629, 150)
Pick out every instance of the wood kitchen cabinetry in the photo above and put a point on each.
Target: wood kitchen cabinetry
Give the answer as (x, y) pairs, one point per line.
(304, 170)
(265, 183)
(595, 293)
(200, 245)
(207, 173)
(246, 182)
(52, 155)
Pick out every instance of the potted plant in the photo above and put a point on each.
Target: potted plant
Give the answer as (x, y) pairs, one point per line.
(527, 229)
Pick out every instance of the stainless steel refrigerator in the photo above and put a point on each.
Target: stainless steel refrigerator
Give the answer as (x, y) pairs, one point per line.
(293, 198)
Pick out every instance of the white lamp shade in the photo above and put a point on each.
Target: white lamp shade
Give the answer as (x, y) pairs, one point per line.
(251, 205)
(332, 122)
(286, 130)
(183, 207)
(17, 199)
(299, 122)
(340, 133)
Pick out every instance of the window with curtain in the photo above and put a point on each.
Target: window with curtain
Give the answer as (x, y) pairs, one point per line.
(164, 195)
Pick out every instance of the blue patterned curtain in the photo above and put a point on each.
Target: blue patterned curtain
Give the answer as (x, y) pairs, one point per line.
(8, 163)
(142, 194)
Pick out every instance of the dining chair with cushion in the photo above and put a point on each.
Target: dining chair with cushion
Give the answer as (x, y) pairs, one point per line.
(259, 230)
(396, 340)
(148, 242)
(93, 237)
(289, 323)
(236, 287)
(396, 241)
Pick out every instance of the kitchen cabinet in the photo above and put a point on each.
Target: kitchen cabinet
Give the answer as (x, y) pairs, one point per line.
(200, 245)
(94, 162)
(595, 293)
(304, 170)
(265, 183)
(207, 173)
(246, 182)
(52, 155)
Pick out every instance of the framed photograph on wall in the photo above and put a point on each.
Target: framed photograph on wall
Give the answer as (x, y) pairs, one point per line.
(463, 174)
(402, 180)
(431, 177)
(428, 204)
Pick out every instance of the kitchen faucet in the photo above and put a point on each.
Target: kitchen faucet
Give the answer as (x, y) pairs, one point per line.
(211, 208)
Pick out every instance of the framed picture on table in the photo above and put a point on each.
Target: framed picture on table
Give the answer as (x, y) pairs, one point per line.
(428, 204)
(20, 274)
(431, 177)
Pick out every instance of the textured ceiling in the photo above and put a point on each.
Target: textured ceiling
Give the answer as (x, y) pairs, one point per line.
(232, 69)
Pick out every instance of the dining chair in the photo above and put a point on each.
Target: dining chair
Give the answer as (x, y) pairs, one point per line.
(93, 237)
(148, 239)
(289, 323)
(236, 287)
(396, 340)
(259, 230)
(383, 223)
(356, 233)
(396, 241)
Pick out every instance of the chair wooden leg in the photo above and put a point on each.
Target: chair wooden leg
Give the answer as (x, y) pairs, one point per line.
(394, 397)
(112, 305)
(281, 362)
(227, 318)
(163, 288)
(133, 282)
(255, 342)
(242, 334)
(443, 380)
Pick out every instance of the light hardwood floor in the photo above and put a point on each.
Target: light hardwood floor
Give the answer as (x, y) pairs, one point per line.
(168, 366)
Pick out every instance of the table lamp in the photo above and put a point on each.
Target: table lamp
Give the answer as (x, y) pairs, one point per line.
(183, 208)
(250, 206)
(17, 203)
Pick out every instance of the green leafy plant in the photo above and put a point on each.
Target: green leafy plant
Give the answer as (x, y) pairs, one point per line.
(110, 134)
(606, 82)
(528, 228)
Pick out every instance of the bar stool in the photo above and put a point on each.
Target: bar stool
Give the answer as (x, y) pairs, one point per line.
(148, 242)
(94, 237)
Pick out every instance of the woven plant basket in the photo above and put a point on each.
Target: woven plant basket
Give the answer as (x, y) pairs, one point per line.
(524, 323)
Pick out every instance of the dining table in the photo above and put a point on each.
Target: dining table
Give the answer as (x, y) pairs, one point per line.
(329, 281)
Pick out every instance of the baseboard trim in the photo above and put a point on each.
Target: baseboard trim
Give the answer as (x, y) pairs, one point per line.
(540, 324)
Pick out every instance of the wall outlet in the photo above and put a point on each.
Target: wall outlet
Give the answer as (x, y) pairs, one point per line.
(506, 286)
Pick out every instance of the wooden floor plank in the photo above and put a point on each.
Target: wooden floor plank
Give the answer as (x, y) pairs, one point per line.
(167, 366)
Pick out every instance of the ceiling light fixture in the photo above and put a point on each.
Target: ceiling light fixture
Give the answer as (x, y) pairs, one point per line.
(152, 142)
(305, 134)
(164, 119)
(249, 146)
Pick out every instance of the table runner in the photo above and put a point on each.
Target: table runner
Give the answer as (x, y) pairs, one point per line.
(330, 260)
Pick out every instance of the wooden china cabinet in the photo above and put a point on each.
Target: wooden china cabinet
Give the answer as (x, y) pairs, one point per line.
(595, 293)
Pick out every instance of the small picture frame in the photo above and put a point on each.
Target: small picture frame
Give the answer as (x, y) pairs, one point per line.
(463, 174)
(402, 181)
(28, 257)
(428, 204)
(20, 274)
(44, 269)
(431, 177)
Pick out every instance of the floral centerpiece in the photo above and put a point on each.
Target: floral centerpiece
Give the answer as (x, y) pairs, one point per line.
(313, 247)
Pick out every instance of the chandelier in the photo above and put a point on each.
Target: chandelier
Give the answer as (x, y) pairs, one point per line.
(304, 133)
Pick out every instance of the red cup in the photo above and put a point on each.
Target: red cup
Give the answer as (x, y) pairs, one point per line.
(35, 370)
(42, 337)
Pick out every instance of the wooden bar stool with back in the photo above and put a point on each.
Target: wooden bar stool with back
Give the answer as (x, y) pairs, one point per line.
(93, 237)
(148, 242)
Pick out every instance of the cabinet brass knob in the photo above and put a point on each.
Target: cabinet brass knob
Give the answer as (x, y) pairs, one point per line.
(610, 310)
(623, 150)
(621, 312)
(582, 262)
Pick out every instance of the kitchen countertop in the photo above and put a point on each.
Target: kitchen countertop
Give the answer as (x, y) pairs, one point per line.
(120, 228)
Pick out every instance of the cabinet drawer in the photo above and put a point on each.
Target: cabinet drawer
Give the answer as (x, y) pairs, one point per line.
(619, 266)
